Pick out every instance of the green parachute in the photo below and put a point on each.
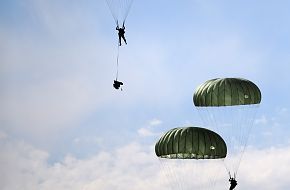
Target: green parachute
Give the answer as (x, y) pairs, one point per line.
(191, 143)
(226, 92)
(191, 157)
(229, 106)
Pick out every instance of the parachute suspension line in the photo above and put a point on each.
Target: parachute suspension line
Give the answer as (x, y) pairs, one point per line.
(112, 10)
(170, 173)
(185, 164)
(236, 136)
(164, 173)
(244, 127)
(117, 63)
(232, 176)
(228, 169)
(172, 165)
(249, 122)
(240, 124)
(119, 9)
(231, 125)
(128, 5)
(218, 166)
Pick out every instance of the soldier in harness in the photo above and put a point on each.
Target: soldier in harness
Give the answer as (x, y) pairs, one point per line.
(121, 34)
(233, 183)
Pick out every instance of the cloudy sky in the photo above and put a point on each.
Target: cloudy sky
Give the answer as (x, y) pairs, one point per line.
(63, 126)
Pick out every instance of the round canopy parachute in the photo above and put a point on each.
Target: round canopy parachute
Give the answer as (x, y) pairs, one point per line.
(191, 143)
(226, 92)
(229, 106)
(119, 10)
(191, 157)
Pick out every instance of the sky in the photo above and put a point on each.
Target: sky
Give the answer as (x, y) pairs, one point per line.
(63, 125)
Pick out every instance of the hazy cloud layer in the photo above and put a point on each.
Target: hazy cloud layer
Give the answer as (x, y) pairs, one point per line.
(133, 166)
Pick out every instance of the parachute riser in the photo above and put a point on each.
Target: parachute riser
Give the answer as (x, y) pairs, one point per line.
(119, 9)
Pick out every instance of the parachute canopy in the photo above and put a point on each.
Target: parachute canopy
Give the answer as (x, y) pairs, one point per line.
(228, 106)
(226, 92)
(191, 143)
(119, 10)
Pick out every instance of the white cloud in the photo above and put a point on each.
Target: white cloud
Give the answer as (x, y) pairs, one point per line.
(148, 129)
(283, 112)
(92, 140)
(266, 168)
(145, 132)
(262, 120)
(133, 166)
(155, 122)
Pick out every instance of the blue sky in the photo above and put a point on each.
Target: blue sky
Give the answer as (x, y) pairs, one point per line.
(60, 117)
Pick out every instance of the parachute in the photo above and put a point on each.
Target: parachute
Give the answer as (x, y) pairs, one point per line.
(190, 157)
(227, 92)
(119, 10)
(191, 143)
(229, 106)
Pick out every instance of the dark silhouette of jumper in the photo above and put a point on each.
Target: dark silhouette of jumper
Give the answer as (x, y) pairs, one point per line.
(233, 183)
(121, 34)
(117, 84)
